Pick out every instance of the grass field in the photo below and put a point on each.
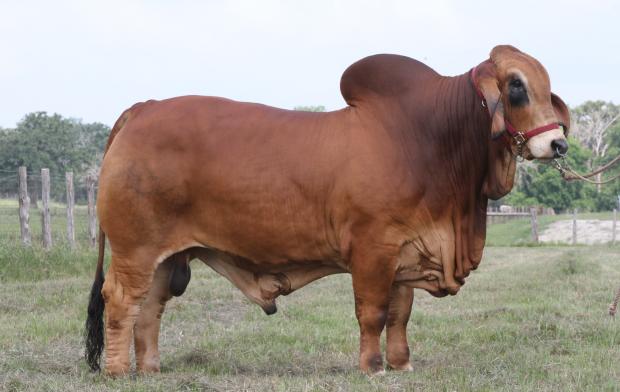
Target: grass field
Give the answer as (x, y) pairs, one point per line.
(517, 232)
(530, 318)
(9, 223)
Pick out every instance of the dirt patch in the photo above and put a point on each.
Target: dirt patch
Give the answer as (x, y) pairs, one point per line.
(589, 232)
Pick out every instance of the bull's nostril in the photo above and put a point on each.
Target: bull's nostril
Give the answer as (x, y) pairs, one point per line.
(559, 147)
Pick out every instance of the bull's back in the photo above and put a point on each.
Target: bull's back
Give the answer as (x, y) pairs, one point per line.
(244, 178)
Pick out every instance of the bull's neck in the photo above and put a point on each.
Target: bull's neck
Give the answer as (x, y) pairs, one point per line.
(458, 106)
(458, 128)
(484, 166)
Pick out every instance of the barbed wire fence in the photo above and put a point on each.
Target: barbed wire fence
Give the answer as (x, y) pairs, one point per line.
(48, 209)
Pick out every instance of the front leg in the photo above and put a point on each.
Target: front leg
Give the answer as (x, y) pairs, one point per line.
(401, 300)
(373, 274)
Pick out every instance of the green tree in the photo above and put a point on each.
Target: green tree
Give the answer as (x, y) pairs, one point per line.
(541, 184)
(594, 125)
(50, 141)
(594, 141)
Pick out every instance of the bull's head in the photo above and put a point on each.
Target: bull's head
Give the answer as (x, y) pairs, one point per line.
(518, 95)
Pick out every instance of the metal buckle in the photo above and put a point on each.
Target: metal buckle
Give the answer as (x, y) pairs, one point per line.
(520, 138)
(519, 142)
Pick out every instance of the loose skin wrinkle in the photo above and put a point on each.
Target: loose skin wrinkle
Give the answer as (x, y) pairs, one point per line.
(392, 188)
(444, 137)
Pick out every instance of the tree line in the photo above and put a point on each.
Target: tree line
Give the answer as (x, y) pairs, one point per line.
(62, 144)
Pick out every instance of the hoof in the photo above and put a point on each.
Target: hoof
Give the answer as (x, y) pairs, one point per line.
(372, 364)
(405, 368)
(148, 369)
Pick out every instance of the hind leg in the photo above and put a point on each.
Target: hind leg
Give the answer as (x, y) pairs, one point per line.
(401, 300)
(146, 330)
(126, 285)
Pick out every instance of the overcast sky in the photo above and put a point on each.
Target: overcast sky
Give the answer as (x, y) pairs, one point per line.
(93, 59)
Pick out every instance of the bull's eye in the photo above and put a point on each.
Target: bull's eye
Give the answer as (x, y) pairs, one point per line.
(517, 93)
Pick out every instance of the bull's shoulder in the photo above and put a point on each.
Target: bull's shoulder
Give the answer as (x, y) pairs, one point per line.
(382, 75)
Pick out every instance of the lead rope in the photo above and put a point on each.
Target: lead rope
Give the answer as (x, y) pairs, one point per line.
(569, 174)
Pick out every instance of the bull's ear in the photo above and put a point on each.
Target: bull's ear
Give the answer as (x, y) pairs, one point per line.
(489, 86)
(561, 111)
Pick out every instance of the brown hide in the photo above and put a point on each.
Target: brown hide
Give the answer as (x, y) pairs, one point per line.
(393, 188)
(275, 187)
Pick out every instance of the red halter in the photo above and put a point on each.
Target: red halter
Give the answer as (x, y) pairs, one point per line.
(524, 136)
(520, 137)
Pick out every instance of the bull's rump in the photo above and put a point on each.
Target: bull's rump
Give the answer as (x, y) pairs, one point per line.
(243, 178)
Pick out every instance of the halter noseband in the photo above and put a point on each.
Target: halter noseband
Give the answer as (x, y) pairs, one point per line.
(519, 137)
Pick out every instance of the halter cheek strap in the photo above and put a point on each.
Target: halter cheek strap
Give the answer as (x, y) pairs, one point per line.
(520, 137)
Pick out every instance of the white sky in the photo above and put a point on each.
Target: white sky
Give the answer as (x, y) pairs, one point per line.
(93, 59)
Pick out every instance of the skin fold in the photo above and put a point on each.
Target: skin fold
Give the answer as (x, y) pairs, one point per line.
(392, 189)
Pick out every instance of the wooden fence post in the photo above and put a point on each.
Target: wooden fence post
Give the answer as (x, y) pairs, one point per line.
(24, 206)
(533, 212)
(45, 211)
(70, 207)
(92, 216)
(613, 227)
(574, 227)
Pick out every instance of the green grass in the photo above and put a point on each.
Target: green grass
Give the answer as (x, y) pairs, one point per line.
(18, 263)
(527, 319)
(518, 231)
(12, 203)
(10, 230)
(8, 203)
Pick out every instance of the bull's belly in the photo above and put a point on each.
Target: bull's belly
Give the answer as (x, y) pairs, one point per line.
(268, 226)
(278, 231)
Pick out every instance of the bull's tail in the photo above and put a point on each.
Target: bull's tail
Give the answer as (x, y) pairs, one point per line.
(93, 335)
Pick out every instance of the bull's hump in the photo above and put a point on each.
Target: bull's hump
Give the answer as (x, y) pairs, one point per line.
(382, 75)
